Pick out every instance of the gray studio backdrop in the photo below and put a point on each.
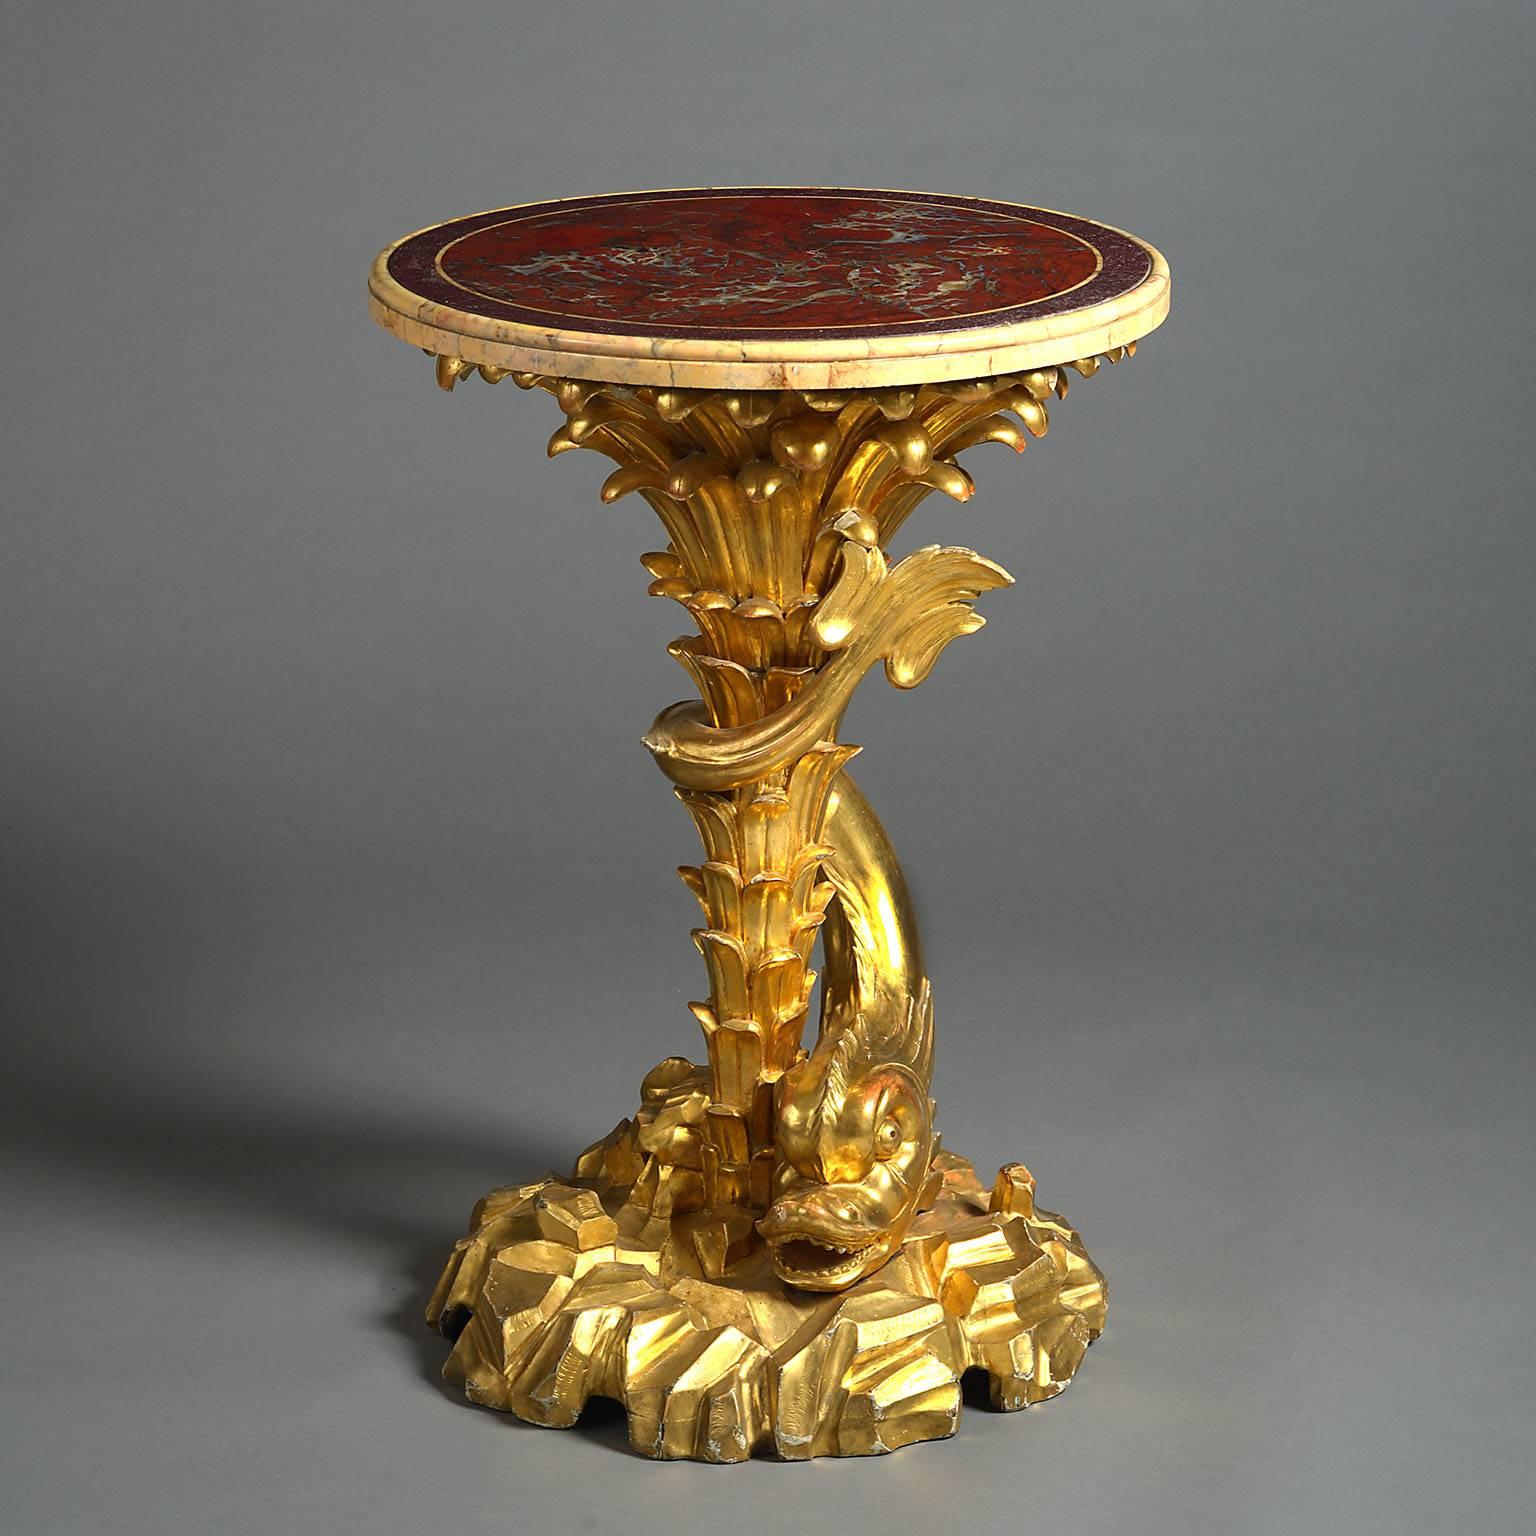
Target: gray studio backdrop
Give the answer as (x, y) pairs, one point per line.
(337, 884)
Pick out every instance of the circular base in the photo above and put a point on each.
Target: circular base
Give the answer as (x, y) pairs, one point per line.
(564, 1291)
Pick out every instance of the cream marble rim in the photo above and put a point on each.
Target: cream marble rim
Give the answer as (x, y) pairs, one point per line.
(745, 363)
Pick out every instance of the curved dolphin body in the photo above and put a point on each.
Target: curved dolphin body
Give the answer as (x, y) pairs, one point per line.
(854, 1123)
(854, 1118)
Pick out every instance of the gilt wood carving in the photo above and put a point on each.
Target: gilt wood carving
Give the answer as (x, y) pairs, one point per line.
(774, 1251)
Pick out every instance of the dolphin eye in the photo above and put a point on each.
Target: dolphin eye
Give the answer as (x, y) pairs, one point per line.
(887, 1139)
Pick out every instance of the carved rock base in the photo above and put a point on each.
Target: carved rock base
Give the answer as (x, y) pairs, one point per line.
(568, 1289)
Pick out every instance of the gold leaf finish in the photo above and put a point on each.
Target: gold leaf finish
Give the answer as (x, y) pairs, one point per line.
(560, 1294)
(774, 1253)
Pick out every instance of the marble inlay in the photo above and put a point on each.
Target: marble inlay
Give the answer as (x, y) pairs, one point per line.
(782, 263)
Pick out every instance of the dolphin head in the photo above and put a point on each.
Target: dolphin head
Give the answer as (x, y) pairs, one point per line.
(855, 1137)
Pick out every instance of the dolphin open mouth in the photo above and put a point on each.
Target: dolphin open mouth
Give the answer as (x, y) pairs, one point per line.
(818, 1263)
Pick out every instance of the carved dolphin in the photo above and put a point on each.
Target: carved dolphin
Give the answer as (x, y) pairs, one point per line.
(854, 1122)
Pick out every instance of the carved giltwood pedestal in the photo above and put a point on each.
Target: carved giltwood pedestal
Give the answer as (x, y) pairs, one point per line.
(774, 1252)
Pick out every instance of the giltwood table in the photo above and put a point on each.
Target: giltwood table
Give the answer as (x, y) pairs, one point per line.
(774, 1252)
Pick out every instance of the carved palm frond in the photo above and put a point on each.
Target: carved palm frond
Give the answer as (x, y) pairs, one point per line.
(778, 506)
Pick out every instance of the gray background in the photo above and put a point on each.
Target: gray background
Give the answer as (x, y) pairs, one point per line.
(337, 884)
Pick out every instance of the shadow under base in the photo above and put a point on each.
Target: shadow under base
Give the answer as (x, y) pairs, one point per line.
(566, 1289)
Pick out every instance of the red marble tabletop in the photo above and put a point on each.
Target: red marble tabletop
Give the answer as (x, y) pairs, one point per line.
(753, 286)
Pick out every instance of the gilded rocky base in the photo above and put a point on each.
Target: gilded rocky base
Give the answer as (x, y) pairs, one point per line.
(568, 1289)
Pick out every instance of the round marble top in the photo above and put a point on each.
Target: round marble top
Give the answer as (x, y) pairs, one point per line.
(769, 287)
